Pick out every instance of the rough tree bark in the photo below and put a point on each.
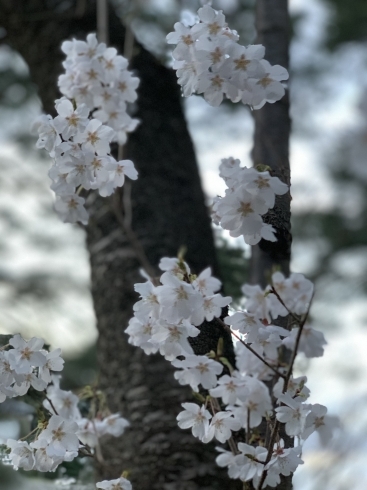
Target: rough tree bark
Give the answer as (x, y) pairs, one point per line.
(271, 148)
(168, 211)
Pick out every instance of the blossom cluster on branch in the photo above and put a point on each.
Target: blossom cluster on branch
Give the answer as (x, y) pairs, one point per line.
(250, 194)
(236, 398)
(61, 433)
(209, 61)
(236, 401)
(91, 114)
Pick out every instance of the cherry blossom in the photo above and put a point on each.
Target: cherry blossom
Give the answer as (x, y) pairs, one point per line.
(221, 427)
(197, 370)
(209, 60)
(194, 417)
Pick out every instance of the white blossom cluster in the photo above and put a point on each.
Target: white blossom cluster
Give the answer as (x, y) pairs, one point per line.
(26, 364)
(66, 432)
(91, 114)
(167, 315)
(210, 61)
(250, 194)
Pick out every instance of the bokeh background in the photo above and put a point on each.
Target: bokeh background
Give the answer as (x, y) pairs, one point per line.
(44, 269)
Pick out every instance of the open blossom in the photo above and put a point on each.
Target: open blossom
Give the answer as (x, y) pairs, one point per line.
(60, 435)
(233, 462)
(64, 402)
(44, 461)
(71, 209)
(293, 415)
(318, 421)
(177, 298)
(209, 60)
(140, 331)
(245, 323)
(21, 455)
(311, 342)
(267, 87)
(230, 388)
(70, 121)
(171, 339)
(90, 431)
(175, 266)
(252, 465)
(194, 417)
(26, 353)
(53, 363)
(206, 283)
(211, 308)
(117, 173)
(198, 370)
(221, 427)
(285, 461)
(96, 137)
(48, 137)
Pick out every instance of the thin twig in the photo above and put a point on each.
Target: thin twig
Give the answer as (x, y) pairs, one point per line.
(285, 306)
(126, 201)
(285, 387)
(250, 348)
(270, 452)
(32, 432)
(138, 248)
(102, 21)
(248, 426)
(52, 405)
(99, 454)
(295, 350)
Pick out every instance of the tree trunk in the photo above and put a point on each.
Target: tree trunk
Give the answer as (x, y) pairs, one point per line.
(168, 211)
(271, 147)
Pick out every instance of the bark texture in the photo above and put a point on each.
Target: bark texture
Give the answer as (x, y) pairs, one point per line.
(271, 146)
(168, 211)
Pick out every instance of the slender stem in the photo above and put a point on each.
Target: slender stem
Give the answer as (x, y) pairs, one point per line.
(102, 21)
(126, 200)
(82, 452)
(250, 348)
(285, 306)
(295, 350)
(248, 426)
(233, 445)
(3, 347)
(129, 42)
(270, 452)
(32, 432)
(120, 153)
(138, 248)
(99, 454)
(52, 405)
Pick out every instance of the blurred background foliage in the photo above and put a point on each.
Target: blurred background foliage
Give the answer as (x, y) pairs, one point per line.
(44, 275)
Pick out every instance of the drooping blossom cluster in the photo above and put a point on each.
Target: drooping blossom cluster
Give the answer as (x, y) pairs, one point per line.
(91, 114)
(63, 433)
(210, 61)
(250, 194)
(168, 314)
(237, 400)
(26, 364)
